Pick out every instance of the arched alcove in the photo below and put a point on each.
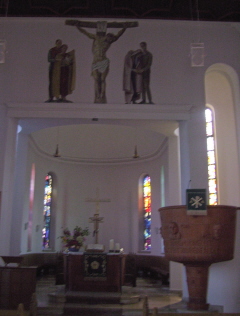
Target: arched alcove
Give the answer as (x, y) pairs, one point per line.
(222, 96)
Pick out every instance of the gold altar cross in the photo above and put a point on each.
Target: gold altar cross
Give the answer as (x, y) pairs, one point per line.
(95, 218)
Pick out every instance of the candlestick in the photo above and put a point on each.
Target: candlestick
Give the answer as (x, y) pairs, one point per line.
(111, 245)
(117, 247)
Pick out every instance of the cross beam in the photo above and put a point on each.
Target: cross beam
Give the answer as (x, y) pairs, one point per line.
(94, 24)
(97, 200)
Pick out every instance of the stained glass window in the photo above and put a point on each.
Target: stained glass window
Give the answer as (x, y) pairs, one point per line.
(147, 212)
(211, 154)
(47, 212)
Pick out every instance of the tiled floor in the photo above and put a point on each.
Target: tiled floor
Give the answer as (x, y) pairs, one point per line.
(51, 297)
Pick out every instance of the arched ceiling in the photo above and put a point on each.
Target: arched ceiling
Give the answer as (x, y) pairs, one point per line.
(203, 10)
(102, 143)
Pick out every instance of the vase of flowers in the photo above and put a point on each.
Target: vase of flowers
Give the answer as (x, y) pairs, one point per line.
(74, 241)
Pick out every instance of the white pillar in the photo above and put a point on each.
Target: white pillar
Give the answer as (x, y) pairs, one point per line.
(19, 193)
(174, 199)
(193, 151)
(7, 187)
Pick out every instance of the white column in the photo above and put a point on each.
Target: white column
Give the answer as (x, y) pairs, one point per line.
(7, 187)
(19, 193)
(174, 199)
(193, 151)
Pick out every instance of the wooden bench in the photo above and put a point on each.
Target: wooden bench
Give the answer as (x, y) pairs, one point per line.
(157, 267)
(44, 261)
(154, 266)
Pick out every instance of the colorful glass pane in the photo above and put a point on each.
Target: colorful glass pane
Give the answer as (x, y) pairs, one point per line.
(212, 177)
(208, 115)
(212, 186)
(213, 199)
(211, 157)
(210, 143)
(209, 129)
(147, 212)
(47, 212)
(211, 172)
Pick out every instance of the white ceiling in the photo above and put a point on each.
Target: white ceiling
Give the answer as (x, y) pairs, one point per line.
(100, 141)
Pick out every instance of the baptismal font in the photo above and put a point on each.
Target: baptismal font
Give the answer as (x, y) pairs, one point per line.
(198, 241)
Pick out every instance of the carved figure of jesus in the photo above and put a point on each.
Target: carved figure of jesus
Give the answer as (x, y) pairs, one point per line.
(96, 219)
(101, 43)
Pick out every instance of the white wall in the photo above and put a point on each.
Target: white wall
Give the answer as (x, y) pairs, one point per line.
(29, 39)
(3, 127)
(24, 79)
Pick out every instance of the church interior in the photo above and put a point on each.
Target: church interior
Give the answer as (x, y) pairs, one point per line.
(102, 125)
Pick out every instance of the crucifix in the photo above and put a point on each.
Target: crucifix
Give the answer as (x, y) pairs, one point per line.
(101, 43)
(96, 219)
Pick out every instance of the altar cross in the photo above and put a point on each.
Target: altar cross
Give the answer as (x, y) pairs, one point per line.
(96, 219)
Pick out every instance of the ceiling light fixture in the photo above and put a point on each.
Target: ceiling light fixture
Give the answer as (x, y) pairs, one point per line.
(56, 154)
(197, 52)
(135, 156)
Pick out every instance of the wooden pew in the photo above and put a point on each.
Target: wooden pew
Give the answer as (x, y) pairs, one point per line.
(157, 267)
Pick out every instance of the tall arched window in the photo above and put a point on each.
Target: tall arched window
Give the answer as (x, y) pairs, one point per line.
(47, 202)
(147, 211)
(211, 153)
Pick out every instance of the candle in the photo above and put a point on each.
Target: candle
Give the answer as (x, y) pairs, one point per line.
(111, 245)
(117, 247)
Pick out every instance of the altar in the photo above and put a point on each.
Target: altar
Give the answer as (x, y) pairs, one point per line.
(94, 272)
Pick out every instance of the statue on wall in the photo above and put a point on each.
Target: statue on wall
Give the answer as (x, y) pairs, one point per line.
(136, 75)
(101, 43)
(52, 53)
(145, 63)
(62, 72)
(132, 81)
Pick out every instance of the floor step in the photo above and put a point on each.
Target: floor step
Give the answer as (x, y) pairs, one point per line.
(77, 309)
(56, 298)
(44, 311)
(93, 297)
(52, 300)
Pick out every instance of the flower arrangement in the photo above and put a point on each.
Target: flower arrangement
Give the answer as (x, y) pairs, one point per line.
(76, 240)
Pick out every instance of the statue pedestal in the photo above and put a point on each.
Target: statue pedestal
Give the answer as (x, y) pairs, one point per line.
(197, 241)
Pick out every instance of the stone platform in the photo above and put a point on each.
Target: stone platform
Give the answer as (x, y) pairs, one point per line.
(54, 300)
